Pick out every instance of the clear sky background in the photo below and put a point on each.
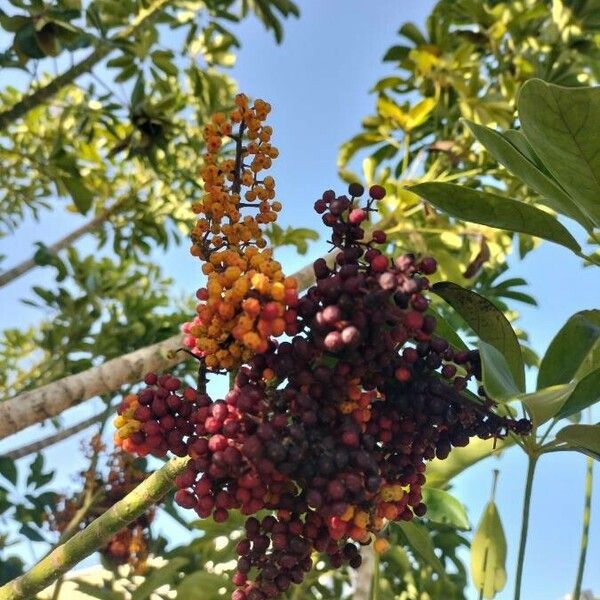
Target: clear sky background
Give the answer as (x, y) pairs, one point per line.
(318, 82)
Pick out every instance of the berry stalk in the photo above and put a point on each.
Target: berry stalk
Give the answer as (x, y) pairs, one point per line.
(525, 524)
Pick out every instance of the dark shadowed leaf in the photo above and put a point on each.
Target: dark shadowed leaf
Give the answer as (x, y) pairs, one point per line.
(31, 534)
(490, 325)
(8, 469)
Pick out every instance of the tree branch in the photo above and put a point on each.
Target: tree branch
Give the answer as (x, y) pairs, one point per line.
(59, 436)
(26, 266)
(98, 533)
(50, 400)
(46, 92)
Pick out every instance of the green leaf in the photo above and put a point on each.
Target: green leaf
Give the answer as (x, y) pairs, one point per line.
(411, 32)
(164, 61)
(159, 577)
(496, 211)
(558, 121)
(445, 330)
(497, 378)
(517, 138)
(97, 591)
(490, 325)
(81, 195)
(396, 54)
(587, 393)
(419, 540)
(352, 146)
(444, 508)
(139, 91)
(8, 469)
(488, 553)
(547, 402)
(440, 472)
(13, 23)
(30, 533)
(26, 42)
(514, 152)
(202, 586)
(569, 348)
(584, 438)
(36, 476)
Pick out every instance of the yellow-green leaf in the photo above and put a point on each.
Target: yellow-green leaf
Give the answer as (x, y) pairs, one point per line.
(488, 553)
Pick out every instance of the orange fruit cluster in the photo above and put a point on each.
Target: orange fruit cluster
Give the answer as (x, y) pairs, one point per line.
(233, 184)
(247, 298)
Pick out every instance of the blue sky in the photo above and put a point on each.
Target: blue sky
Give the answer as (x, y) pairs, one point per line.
(318, 82)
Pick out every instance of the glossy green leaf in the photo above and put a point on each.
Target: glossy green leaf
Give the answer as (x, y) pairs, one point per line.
(569, 348)
(497, 377)
(558, 122)
(490, 325)
(444, 508)
(488, 553)
(586, 393)
(584, 438)
(495, 211)
(419, 540)
(513, 150)
(547, 402)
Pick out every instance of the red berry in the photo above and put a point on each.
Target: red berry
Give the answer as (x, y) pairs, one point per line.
(380, 263)
(377, 192)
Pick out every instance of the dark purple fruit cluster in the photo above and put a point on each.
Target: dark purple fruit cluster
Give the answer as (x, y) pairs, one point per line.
(330, 431)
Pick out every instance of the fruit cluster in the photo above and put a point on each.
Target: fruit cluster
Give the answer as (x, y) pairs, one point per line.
(330, 430)
(247, 299)
(157, 419)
